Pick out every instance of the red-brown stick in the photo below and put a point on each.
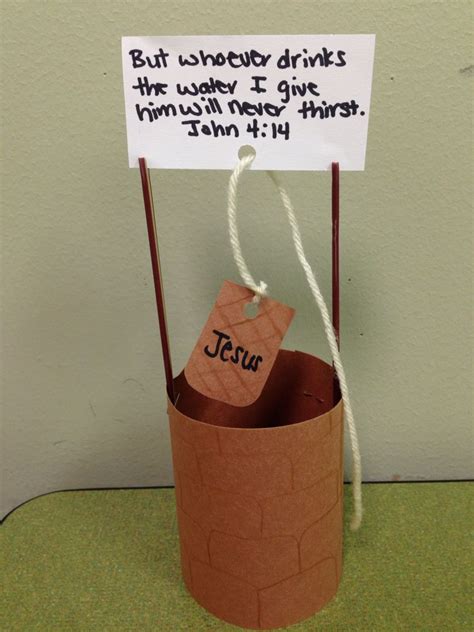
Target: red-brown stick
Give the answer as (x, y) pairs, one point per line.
(335, 250)
(156, 268)
(335, 266)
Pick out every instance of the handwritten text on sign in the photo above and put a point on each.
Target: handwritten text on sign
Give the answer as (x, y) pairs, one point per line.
(302, 101)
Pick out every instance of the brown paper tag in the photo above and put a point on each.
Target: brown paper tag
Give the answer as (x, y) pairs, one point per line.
(234, 354)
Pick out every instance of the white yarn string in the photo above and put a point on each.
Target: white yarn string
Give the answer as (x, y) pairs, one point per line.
(243, 164)
(336, 356)
(260, 289)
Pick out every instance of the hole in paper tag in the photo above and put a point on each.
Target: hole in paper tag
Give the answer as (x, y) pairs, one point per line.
(235, 352)
(251, 310)
(246, 150)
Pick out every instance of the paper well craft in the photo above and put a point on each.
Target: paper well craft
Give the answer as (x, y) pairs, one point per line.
(257, 431)
(259, 495)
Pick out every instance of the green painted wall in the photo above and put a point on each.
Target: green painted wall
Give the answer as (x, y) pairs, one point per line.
(83, 395)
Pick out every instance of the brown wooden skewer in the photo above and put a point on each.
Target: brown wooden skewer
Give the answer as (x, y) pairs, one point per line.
(156, 268)
(335, 264)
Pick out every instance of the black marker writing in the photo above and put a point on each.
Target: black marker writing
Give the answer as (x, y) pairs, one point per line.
(148, 89)
(158, 60)
(244, 108)
(232, 59)
(256, 84)
(212, 129)
(213, 86)
(152, 112)
(296, 90)
(222, 106)
(345, 109)
(275, 130)
(240, 355)
(306, 60)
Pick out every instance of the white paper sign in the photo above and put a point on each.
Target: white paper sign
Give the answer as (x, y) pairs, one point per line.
(302, 101)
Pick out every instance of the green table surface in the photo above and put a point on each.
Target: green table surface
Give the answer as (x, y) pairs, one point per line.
(108, 561)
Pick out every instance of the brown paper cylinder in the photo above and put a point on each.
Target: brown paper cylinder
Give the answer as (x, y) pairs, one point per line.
(259, 496)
